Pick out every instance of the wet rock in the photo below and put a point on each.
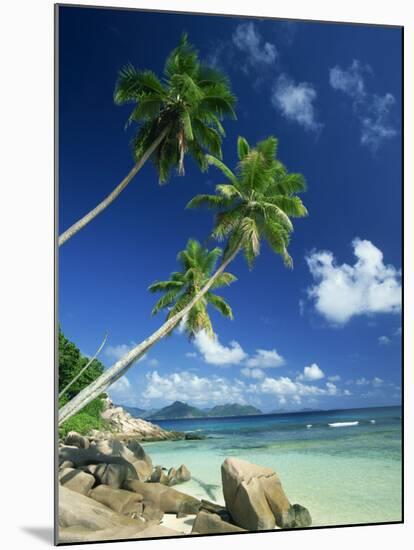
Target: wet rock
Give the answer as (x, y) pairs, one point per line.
(302, 516)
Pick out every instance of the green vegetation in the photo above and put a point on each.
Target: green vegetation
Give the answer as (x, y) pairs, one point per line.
(257, 202)
(189, 103)
(255, 205)
(198, 264)
(179, 114)
(71, 362)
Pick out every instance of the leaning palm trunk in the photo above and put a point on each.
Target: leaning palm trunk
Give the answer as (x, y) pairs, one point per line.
(80, 224)
(121, 367)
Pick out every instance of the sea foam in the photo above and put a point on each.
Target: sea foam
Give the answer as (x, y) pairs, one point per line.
(342, 424)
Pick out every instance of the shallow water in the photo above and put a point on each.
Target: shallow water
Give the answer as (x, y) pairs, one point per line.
(344, 474)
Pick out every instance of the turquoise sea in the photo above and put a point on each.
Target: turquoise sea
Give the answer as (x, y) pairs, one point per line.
(346, 473)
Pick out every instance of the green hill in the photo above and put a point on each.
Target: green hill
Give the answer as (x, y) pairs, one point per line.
(233, 409)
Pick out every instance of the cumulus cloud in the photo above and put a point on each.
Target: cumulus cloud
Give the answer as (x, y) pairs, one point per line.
(252, 373)
(187, 386)
(383, 340)
(265, 359)
(334, 378)
(344, 291)
(287, 390)
(373, 111)
(248, 39)
(312, 372)
(215, 353)
(191, 354)
(296, 101)
(121, 390)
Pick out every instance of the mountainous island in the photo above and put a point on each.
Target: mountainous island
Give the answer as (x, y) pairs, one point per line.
(178, 409)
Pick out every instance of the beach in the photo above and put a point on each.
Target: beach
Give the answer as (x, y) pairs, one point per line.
(344, 474)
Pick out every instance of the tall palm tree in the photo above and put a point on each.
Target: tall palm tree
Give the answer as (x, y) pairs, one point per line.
(197, 266)
(255, 204)
(180, 113)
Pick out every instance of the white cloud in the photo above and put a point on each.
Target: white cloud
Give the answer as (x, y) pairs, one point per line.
(375, 125)
(372, 110)
(153, 363)
(117, 352)
(191, 354)
(349, 81)
(311, 373)
(288, 391)
(296, 101)
(252, 373)
(215, 353)
(265, 359)
(248, 39)
(376, 382)
(187, 386)
(344, 291)
(121, 390)
(334, 378)
(383, 340)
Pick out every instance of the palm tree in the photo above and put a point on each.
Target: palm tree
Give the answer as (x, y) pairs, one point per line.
(197, 266)
(255, 204)
(180, 113)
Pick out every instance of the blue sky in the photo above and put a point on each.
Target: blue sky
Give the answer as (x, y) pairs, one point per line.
(328, 333)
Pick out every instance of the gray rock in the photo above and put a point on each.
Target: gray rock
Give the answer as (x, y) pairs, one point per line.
(77, 534)
(183, 473)
(92, 456)
(164, 498)
(207, 524)
(214, 508)
(113, 475)
(76, 480)
(151, 513)
(123, 502)
(66, 464)
(83, 513)
(254, 496)
(77, 440)
(302, 516)
(159, 476)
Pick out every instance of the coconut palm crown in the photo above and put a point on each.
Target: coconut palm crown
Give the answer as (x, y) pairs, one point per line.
(256, 202)
(190, 101)
(197, 266)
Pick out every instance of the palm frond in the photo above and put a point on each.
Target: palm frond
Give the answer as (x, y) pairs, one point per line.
(220, 304)
(223, 168)
(225, 279)
(243, 147)
(210, 201)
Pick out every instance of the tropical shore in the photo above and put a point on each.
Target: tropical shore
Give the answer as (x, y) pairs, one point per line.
(110, 489)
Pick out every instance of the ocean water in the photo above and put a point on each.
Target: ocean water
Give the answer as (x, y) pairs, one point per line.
(345, 466)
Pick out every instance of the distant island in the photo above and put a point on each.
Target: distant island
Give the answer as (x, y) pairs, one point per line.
(178, 409)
